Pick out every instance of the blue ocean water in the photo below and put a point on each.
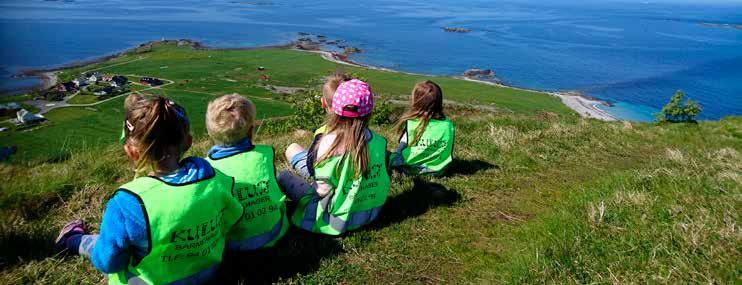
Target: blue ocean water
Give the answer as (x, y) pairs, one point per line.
(635, 54)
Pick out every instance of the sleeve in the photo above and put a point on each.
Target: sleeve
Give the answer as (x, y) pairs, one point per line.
(123, 232)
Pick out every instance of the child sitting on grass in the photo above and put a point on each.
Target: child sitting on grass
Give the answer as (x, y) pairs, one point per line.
(170, 223)
(230, 122)
(426, 135)
(347, 168)
(296, 154)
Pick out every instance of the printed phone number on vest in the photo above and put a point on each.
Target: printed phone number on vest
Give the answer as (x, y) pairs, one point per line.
(200, 239)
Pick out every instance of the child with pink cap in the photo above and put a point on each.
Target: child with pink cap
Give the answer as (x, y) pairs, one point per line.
(347, 165)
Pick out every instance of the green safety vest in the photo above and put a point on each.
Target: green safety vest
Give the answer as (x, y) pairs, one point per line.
(351, 195)
(320, 131)
(257, 190)
(434, 151)
(187, 227)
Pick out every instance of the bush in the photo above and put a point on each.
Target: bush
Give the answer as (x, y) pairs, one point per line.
(678, 111)
(309, 114)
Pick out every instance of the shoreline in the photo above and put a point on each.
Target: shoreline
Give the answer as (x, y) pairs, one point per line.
(584, 105)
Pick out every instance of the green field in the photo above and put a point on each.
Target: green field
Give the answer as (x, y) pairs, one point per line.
(535, 195)
(202, 75)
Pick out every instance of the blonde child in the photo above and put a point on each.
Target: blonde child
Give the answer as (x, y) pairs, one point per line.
(169, 224)
(426, 135)
(296, 154)
(349, 181)
(230, 122)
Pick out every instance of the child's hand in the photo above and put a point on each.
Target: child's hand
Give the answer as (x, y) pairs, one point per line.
(73, 228)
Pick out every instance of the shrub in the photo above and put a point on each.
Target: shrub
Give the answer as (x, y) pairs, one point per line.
(678, 111)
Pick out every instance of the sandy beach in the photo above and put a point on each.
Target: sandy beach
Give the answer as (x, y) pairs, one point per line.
(586, 107)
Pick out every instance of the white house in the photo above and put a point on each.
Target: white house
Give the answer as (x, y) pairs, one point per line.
(92, 79)
(24, 117)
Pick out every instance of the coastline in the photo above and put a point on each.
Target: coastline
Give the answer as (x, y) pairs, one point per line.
(585, 106)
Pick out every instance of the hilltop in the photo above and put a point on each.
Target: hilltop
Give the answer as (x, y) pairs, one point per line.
(536, 194)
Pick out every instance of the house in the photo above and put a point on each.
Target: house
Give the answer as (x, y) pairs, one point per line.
(151, 81)
(80, 82)
(105, 91)
(66, 87)
(120, 80)
(10, 108)
(107, 78)
(94, 77)
(25, 117)
(114, 84)
(61, 88)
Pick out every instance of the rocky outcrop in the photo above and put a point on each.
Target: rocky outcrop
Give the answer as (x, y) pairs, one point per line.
(456, 30)
(476, 72)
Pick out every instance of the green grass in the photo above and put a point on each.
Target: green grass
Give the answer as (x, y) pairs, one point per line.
(83, 99)
(202, 75)
(535, 194)
(530, 199)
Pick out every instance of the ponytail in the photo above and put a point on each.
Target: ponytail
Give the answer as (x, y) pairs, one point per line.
(158, 127)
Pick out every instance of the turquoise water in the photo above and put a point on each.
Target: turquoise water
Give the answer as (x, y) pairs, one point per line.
(635, 54)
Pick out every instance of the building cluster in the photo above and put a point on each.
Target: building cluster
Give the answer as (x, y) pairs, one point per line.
(109, 85)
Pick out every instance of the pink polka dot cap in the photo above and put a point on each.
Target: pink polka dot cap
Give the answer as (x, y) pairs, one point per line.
(353, 99)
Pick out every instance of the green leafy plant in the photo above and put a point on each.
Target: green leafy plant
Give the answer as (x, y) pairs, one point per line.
(678, 111)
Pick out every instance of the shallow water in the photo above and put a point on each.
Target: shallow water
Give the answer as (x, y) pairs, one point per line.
(633, 54)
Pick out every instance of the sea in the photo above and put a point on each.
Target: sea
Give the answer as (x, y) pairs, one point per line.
(633, 54)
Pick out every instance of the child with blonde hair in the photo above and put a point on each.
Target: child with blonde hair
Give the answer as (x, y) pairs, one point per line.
(169, 224)
(347, 165)
(230, 122)
(426, 135)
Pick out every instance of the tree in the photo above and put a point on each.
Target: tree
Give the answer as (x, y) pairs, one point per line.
(678, 111)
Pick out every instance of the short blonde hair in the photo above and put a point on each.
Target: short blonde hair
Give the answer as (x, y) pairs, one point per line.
(229, 119)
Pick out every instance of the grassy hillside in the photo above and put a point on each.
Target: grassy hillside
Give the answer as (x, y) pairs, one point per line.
(535, 195)
(541, 198)
(201, 75)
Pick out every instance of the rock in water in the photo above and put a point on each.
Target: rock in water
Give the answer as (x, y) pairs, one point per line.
(476, 72)
(349, 50)
(456, 30)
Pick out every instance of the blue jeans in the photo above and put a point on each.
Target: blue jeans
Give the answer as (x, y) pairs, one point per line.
(299, 164)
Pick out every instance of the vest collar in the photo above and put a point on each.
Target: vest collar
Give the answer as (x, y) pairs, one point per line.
(192, 169)
(222, 151)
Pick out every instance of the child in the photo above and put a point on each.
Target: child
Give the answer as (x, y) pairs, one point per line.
(348, 168)
(169, 224)
(296, 154)
(229, 121)
(426, 135)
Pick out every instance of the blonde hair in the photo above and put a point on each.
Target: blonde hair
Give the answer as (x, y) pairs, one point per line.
(157, 127)
(426, 103)
(229, 119)
(351, 140)
(331, 85)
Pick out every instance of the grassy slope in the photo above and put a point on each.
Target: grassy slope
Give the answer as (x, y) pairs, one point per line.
(533, 197)
(201, 75)
(544, 198)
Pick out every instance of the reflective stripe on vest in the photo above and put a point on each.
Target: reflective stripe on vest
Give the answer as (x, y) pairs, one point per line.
(187, 226)
(434, 151)
(355, 202)
(256, 188)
